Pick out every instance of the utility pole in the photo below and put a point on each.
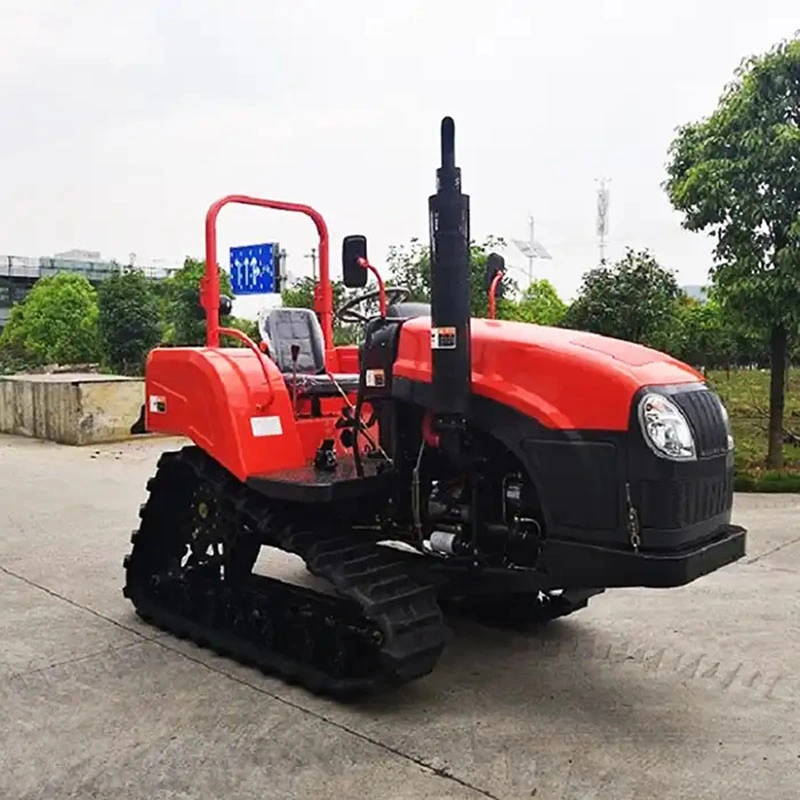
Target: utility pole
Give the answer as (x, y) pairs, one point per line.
(282, 272)
(532, 243)
(313, 256)
(531, 249)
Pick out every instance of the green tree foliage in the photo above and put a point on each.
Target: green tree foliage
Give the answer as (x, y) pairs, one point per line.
(540, 304)
(56, 323)
(735, 175)
(184, 322)
(128, 321)
(410, 267)
(703, 335)
(634, 299)
(246, 326)
(708, 336)
(300, 294)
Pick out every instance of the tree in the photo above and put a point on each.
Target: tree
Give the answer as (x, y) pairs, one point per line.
(128, 321)
(702, 337)
(540, 304)
(183, 318)
(410, 267)
(735, 175)
(634, 299)
(55, 323)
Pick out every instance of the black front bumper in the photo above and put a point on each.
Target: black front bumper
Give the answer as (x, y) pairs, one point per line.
(577, 565)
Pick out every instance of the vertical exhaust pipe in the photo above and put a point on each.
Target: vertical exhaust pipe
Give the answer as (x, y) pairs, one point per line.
(448, 212)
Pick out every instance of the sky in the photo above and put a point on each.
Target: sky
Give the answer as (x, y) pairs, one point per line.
(123, 121)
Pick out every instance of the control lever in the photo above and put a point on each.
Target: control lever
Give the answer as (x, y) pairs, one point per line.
(295, 351)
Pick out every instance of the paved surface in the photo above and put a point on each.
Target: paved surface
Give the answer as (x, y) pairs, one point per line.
(686, 693)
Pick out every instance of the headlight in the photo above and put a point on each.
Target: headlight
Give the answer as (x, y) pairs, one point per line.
(665, 429)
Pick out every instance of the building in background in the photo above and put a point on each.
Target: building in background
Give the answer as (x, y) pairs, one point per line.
(79, 255)
(18, 274)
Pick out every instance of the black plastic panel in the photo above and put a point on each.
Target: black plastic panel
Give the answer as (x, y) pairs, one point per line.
(674, 504)
(704, 412)
(580, 480)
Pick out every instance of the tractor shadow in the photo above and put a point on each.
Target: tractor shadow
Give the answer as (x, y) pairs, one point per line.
(563, 674)
(567, 671)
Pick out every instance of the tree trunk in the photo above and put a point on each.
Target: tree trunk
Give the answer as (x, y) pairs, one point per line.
(777, 387)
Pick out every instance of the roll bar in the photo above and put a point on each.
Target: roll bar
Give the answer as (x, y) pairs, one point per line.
(209, 285)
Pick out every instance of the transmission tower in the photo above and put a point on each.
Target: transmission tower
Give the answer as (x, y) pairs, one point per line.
(602, 215)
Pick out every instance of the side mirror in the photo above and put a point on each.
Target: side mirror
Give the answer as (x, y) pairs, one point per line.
(354, 248)
(495, 263)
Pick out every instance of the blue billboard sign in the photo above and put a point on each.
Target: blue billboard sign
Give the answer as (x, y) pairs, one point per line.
(254, 268)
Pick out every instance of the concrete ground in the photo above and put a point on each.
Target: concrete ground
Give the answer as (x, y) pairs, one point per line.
(685, 693)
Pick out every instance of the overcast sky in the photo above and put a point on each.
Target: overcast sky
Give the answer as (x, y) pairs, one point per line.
(122, 121)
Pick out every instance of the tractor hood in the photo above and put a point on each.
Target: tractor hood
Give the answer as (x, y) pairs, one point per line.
(566, 379)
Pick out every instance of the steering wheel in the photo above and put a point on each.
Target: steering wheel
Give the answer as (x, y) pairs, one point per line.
(346, 313)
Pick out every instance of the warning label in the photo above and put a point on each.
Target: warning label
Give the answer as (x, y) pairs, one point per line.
(443, 338)
(157, 404)
(375, 378)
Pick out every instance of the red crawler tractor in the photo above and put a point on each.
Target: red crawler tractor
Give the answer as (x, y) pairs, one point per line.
(522, 469)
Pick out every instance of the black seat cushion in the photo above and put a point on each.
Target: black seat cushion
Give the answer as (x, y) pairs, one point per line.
(321, 385)
(287, 326)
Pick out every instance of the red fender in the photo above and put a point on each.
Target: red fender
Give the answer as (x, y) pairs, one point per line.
(220, 398)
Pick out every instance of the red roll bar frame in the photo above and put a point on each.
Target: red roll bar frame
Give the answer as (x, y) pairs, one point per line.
(209, 285)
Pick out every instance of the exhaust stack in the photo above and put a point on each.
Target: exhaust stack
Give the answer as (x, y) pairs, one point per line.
(448, 211)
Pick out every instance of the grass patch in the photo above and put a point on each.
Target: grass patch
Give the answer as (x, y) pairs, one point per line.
(746, 396)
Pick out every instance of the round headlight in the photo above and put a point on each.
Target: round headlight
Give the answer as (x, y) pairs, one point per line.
(665, 429)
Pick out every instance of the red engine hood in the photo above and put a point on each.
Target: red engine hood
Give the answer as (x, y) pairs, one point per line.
(565, 379)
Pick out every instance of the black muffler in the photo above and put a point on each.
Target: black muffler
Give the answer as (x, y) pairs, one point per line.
(450, 290)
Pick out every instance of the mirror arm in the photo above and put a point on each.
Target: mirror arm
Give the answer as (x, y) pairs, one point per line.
(362, 262)
(492, 293)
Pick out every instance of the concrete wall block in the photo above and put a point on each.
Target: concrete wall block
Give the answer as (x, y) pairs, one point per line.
(70, 408)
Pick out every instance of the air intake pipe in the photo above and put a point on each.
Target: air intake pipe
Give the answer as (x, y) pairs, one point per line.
(450, 289)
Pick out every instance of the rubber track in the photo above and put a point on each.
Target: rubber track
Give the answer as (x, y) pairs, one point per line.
(381, 601)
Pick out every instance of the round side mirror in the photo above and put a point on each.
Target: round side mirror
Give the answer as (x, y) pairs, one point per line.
(225, 305)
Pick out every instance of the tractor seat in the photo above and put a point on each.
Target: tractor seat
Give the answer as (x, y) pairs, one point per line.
(283, 327)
